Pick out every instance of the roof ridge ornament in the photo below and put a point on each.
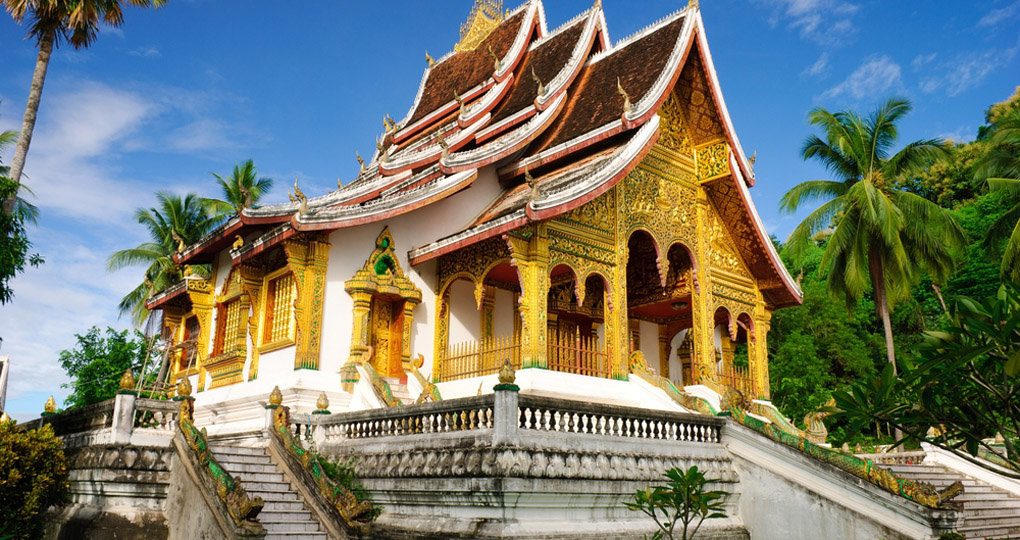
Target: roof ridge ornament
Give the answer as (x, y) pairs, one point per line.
(495, 59)
(299, 197)
(460, 102)
(428, 59)
(484, 17)
(627, 107)
(541, 87)
(442, 142)
(361, 163)
(693, 4)
(384, 151)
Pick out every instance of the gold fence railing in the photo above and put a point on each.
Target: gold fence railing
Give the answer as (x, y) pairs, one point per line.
(477, 358)
(739, 378)
(579, 355)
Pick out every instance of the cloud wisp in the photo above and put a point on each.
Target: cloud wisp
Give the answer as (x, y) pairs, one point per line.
(874, 77)
(826, 22)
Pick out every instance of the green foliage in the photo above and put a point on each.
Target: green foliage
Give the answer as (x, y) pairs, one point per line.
(97, 363)
(342, 472)
(966, 382)
(33, 477)
(242, 190)
(683, 501)
(15, 246)
(177, 221)
(1001, 165)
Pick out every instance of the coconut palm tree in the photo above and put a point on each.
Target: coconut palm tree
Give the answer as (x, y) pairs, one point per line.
(176, 221)
(53, 22)
(881, 236)
(240, 191)
(23, 210)
(1002, 166)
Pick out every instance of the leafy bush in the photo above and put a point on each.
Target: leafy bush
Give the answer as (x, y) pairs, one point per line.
(682, 500)
(33, 477)
(341, 471)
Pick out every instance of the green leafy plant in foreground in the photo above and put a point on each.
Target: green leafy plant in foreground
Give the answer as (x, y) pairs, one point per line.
(33, 477)
(342, 472)
(683, 502)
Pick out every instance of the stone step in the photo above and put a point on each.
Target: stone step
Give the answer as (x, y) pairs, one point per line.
(289, 525)
(271, 487)
(282, 505)
(242, 459)
(302, 535)
(258, 476)
(273, 495)
(998, 533)
(285, 515)
(991, 521)
(248, 467)
(237, 450)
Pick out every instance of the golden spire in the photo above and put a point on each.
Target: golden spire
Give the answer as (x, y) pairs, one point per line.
(485, 16)
(428, 59)
(299, 196)
(693, 4)
(51, 405)
(361, 162)
(276, 396)
(626, 97)
(127, 380)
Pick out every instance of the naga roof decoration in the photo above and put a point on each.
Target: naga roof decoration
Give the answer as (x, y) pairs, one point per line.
(563, 106)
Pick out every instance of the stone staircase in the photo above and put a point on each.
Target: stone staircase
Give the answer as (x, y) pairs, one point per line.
(285, 514)
(400, 391)
(988, 512)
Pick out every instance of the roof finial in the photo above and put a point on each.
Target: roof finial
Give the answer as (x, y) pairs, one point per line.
(753, 158)
(693, 4)
(626, 97)
(361, 162)
(597, 5)
(177, 238)
(384, 151)
(460, 101)
(428, 58)
(442, 142)
(339, 184)
(495, 59)
(299, 196)
(393, 125)
(541, 87)
(531, 184)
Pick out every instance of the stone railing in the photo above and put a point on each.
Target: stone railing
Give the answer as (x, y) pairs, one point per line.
(125, 419)
(894, 458)
(441, 416)
(549, 414)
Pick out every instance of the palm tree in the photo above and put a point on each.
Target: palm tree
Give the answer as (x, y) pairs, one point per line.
(1002, 165)
(240, 191)
(176, 222)
(881, 236)
(23, 210)
(52, 22)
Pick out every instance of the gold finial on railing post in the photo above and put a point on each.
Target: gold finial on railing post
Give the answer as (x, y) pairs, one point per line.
(322, 404)
(507, 376)
(275, 398)
(4, 418)
(127, 382)
(187, 408)
(50, 408)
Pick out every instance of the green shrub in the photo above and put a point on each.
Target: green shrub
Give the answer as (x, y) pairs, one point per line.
(33, 477)
(342, 472)
(683, 502)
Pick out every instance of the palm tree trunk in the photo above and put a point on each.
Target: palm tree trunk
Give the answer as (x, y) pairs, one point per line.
(882, 303)
(31, 110)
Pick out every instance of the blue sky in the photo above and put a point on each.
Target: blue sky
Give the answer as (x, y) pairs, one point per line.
(197, 86)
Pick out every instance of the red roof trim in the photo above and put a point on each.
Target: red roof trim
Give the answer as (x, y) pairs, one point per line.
(473, 239)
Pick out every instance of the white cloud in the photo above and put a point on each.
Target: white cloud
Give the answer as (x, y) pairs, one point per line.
(827, 22)
(966, 70)
(819, 68)
(922, 60)
(996, 16)
(873, 78)
(146, 52)
(961, 134)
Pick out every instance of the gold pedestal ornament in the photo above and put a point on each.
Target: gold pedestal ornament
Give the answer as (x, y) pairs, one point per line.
(322, 404)
(275, 398)
(127, 382)
(50, 408)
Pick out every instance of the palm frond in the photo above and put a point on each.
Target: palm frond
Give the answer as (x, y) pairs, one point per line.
(810, 190)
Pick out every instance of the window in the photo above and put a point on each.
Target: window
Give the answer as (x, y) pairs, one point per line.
(278, 329)
(230, 320)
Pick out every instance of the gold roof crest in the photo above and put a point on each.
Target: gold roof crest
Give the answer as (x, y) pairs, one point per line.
(485, 16)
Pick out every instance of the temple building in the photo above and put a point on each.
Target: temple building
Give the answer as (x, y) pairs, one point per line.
(548, 286)
(550, 197)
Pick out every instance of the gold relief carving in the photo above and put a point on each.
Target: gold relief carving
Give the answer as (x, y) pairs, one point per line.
(712, 160)
(672, 134)
(598, 215)
(473, 262)
(307, 259)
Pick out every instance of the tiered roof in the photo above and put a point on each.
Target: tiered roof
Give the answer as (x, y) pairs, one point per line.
(547, 105)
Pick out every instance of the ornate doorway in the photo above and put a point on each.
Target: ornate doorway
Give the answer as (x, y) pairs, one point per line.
(387, 329)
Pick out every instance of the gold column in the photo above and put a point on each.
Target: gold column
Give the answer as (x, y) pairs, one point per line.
(531, 257)
(251, 283)
(308, 260)
(761, 354)
(727, 349)
(442, 341)
(664, 351)
(703, 319)
(405, 343)
(617, 330)
(202, 302)
(488, 312)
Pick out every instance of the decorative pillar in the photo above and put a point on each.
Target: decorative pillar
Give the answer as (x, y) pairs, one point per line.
(664, 350)
(442, 343)
(307, 259)
(617, 329)
(761, 354)
(703, 318)
(201, 294)
(727, 350)
(359, 338)
(251, 284)
(531, 258)
(488, 312)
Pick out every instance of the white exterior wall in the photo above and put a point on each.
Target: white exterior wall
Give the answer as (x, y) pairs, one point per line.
(649, 333)
(465, 319)
(675, 366)
(503, 313)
